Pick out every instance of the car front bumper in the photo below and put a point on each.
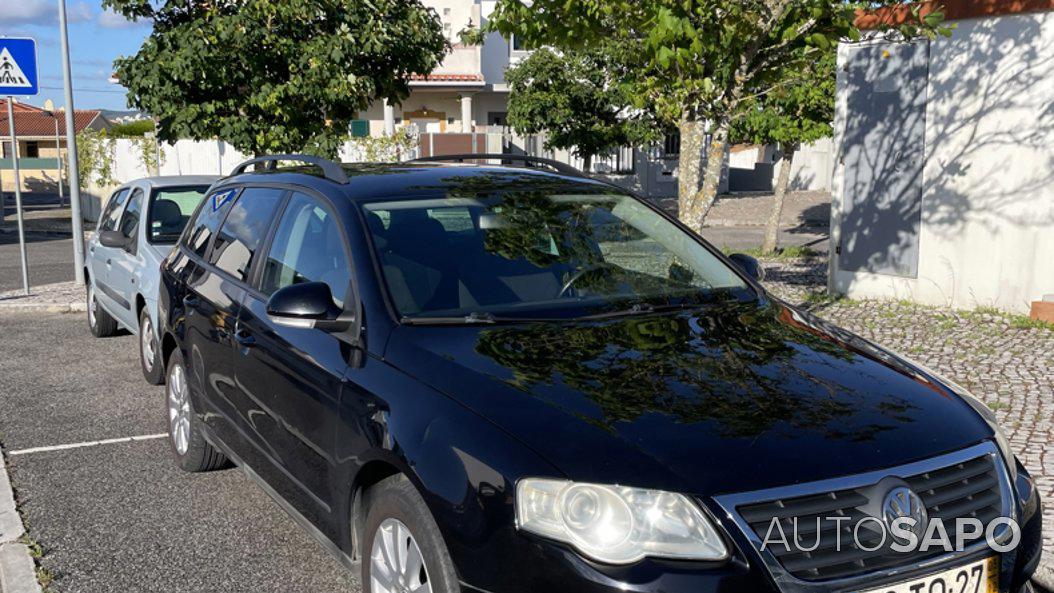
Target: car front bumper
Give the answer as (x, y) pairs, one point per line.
(533, 564)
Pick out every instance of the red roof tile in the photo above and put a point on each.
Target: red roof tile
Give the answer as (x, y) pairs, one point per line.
(447, 78)
(31, 121)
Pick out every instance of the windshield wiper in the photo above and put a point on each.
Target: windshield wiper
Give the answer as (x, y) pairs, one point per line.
(641, 309)
(472, 318)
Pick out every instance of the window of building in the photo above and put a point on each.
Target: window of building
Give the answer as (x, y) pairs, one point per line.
(244, 229)
(6, 150)
(516, 44)
(32, 150)
(671, 145)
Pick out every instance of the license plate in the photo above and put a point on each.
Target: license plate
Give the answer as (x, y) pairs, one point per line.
(977, 577)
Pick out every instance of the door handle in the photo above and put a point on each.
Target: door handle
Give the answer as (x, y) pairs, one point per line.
(245, 338)
(190, 300)
(108, 261)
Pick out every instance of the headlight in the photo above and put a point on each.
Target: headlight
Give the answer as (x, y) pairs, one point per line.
(616, 524)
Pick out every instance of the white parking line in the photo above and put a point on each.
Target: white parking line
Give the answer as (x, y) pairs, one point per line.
(142, 437)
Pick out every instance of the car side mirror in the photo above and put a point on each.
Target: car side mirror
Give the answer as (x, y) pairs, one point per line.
(308, 305)
(112, 239)
(749, 265)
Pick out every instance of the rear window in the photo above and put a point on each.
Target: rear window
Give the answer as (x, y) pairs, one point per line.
(208, 220)
(170, 211)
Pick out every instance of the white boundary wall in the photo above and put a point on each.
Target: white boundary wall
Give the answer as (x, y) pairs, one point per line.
(987, 233)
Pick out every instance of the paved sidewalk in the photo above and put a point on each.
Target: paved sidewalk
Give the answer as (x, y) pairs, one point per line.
(61, 297)
(1008, 366)
(801, 210)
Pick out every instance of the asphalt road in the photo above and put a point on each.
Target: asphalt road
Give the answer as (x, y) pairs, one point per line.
(50, 260)
(121, 517)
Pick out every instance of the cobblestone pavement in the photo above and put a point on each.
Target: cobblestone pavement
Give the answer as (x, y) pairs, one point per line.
(1001, 360)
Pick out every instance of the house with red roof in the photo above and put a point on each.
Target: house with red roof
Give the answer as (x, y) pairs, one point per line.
(466, 92)
(41, 133)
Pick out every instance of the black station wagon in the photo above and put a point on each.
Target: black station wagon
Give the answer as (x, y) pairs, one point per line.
(513, 378)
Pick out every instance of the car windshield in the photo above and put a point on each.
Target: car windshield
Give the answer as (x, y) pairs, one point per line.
(533, 254)
(170, 209)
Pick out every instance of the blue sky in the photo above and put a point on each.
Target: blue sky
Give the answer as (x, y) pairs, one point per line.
(96, 38)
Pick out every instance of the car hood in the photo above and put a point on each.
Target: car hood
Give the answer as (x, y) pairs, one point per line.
(727, 399)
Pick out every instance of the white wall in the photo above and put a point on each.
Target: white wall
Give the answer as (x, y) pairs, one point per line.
(987, 234)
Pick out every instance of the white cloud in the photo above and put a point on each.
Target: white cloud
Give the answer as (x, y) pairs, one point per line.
(111, 20)
(41, 12)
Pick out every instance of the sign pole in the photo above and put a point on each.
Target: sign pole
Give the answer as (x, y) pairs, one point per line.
(71, 152)
(18, 193)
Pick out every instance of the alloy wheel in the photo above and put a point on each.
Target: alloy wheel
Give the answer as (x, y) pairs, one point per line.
(91, 305)
(146, 342)
(179, 409)
(396, 563)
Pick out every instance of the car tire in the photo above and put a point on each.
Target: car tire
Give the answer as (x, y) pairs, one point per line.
(192, 452)
(100, 322)
(149, 350)
(397, 516)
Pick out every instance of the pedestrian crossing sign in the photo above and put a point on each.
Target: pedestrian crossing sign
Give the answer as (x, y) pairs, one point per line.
(18, 66)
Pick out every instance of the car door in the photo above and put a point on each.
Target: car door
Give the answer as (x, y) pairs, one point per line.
(100, 257)
(296, 374)
(210, 305)
(217, 291)
(126, 263)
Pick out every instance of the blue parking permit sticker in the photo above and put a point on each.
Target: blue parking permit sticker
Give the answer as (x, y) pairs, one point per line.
(218, 200)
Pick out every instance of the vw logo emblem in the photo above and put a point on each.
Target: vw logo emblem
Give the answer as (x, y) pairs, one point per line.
(903, 502)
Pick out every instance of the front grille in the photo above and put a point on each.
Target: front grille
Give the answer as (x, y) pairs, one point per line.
(970, 488)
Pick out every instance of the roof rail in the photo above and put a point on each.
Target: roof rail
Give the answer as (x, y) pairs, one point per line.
(559, 167)
(332, 171)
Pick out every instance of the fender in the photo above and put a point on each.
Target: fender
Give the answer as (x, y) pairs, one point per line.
(466, 477)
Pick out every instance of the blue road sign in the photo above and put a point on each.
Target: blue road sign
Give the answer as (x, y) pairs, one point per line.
(18, 66)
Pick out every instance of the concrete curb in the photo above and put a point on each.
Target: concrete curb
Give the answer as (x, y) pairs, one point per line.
(77, 307)
(18, 572)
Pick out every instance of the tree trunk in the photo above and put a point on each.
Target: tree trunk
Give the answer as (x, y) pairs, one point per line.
(587, 163)
(772, 229)
(688, 162)
(700, 203)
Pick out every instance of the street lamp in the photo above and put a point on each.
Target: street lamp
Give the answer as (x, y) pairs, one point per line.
(71, 150)
(58, 156)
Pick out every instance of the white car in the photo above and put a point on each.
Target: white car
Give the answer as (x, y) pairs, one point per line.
(124, 257)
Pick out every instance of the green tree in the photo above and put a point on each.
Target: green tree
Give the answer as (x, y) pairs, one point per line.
(697, 61)
(576, 99)
(132, 129)
(274, 75)
(797, 112)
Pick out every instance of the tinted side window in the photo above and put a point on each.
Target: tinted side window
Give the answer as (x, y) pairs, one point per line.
(109, 217)
(210, 215)
(307, 247)
(244, 229)
(130, 218)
